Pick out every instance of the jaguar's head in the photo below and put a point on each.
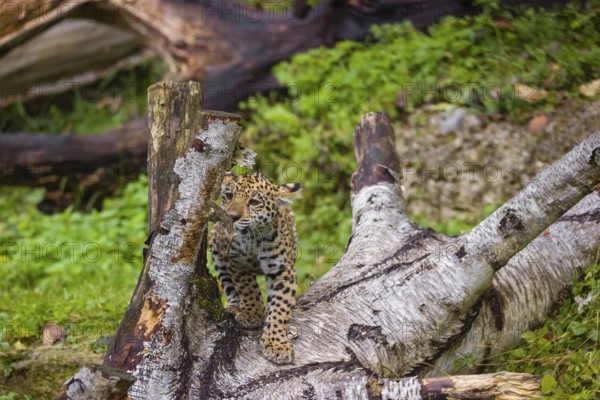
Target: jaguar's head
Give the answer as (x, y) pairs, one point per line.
(252, 200)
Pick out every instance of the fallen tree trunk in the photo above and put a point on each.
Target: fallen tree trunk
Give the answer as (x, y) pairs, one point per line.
(91, 166)
(42, 68)
(401, 300)
(228, 45)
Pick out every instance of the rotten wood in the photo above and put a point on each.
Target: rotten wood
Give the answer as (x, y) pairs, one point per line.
(376, 163)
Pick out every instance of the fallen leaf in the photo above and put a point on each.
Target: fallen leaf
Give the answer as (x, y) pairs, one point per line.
(529, 93)
(590, 89)
(546, 232)
(19, 346)
(537, 124)
(503, 24)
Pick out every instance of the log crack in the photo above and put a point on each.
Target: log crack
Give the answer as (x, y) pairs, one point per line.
(450, 342)
(590, 216)
(401, 258)
(222, 356)
(333, 293)
(595, 157)
(299, 372)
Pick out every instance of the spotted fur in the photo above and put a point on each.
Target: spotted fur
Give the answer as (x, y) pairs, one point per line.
(263, 243)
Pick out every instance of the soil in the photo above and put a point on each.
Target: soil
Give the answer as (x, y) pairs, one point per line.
(454, 162)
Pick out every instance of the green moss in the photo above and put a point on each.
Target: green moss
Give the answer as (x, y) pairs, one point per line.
(207, 289)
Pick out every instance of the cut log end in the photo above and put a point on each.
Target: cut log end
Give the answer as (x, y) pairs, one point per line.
(171, 87)
(226, 117)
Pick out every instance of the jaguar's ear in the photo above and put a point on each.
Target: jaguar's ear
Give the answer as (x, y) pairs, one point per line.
(228, 178)
(289, 192)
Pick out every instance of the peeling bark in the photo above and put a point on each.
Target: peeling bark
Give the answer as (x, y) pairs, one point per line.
(402, 300)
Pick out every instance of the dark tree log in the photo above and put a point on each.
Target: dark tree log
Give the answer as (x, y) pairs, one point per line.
(227, 45)
(91, 166)
(101, 50)
(401, 301)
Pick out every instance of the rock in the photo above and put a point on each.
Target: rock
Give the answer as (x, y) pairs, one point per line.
(472, 122)
(502, 134)
(452, 121)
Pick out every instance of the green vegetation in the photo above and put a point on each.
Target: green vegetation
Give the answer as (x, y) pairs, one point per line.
(474, 62)
(565, 352)
(74, 269)
(79, 269)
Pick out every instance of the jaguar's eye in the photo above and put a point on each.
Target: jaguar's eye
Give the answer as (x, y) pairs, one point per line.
(254, 202)
(227, 196)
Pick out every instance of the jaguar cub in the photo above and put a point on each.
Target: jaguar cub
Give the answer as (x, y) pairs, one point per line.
(263, 243)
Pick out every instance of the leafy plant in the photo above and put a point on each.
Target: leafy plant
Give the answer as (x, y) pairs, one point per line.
(74, 269)
(565, 352)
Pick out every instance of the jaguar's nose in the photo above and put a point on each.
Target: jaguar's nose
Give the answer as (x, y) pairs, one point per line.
(235, 216)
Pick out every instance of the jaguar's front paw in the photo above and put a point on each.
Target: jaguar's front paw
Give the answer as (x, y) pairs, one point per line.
(278, 351)
(249, 319)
